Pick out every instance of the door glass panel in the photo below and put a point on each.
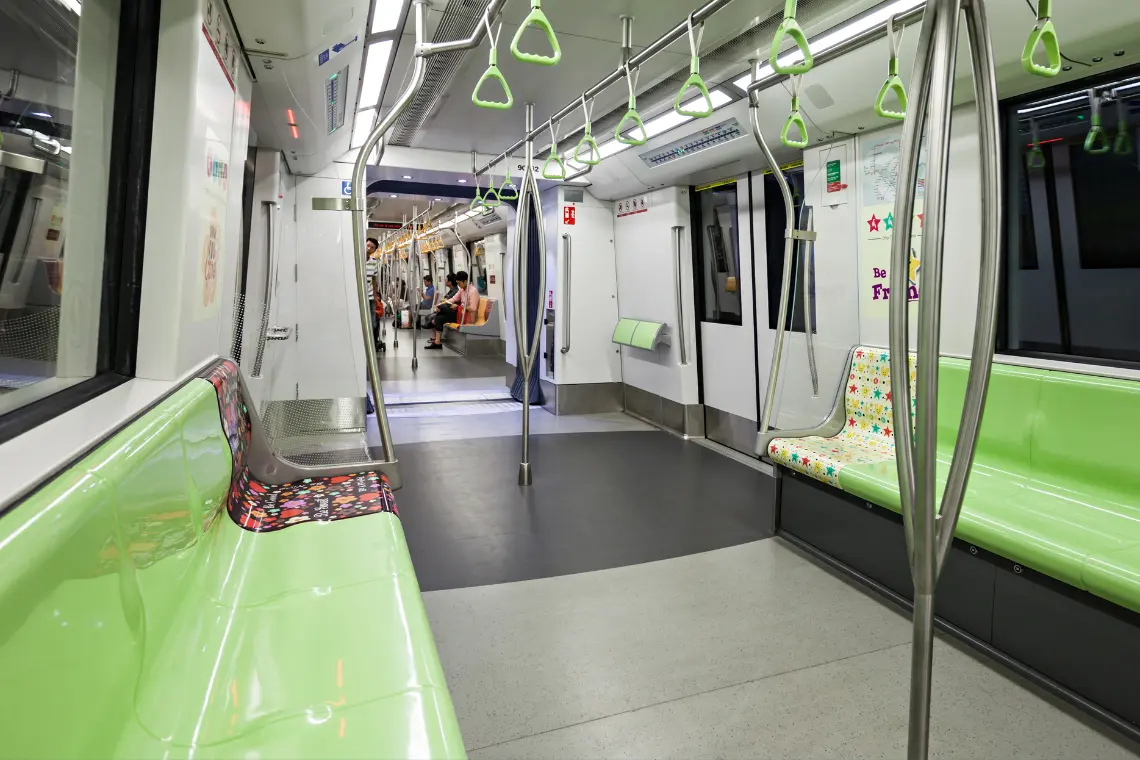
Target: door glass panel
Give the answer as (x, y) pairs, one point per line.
(717, 229)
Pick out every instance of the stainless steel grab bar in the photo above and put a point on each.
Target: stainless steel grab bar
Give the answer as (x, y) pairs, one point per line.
(680, 298)
(807, 259)
(565, 305)
(359, 190)
(267, 297)
(929, 532)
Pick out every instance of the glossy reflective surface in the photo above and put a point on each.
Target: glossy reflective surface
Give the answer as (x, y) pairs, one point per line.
(140, 621)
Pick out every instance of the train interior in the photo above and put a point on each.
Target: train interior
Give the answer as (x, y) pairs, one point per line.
(530, 378)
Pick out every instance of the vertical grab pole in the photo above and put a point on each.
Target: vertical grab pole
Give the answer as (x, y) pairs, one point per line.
(414, 305)
(567, 242)
(677, 272)
(807, 256)
(929, 531)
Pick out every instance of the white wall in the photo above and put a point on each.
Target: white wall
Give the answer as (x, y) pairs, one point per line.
(647, 276)
(193, 230)
(494, 248)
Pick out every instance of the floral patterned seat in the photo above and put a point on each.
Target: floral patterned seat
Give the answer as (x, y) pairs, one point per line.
(868, 433)
(262, 507)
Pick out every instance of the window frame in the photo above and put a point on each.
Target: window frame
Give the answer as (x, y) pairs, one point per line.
(132, 122)
(1011, 223)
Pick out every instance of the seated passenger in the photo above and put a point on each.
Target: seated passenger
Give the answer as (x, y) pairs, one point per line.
(429, 293)
(463, 307)
(452, 287)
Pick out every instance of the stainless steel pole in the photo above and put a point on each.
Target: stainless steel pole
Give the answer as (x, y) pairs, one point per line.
(678, 272)
(413, 304)
(807, 257)
(564, 307)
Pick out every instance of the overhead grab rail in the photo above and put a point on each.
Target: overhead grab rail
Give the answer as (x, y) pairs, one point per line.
(1096, 141)
(791, 235)
(631, 114)
(493, 73)
(375, 140)
(929, 531)
(789, 27)
(530, 203)
(553, 158)
(1045, 35)
(894, 81)
(795, 118)
(696, 34)
(588, 140)
(659, 45)
(537, 19)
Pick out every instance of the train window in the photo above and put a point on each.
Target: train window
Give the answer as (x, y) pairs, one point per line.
(1074, 270)
(716, 225)
(62, 101)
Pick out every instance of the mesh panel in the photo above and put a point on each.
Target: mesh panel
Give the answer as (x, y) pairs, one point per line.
(307, 431)
(28, 346)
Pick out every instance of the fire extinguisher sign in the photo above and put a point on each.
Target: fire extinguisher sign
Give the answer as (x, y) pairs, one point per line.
(568, 214)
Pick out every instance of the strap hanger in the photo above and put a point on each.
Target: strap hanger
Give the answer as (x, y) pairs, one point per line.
(795, 118)
(695, 80)
(494, 73)
(631, 76)
(588, 141)
(1096, 142)
(547, 172)
(789, 27)
(538, 19)
(894, 82)
(1045, 35)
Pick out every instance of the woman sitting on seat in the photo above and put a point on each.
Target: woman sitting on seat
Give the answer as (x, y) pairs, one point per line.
(465, 302)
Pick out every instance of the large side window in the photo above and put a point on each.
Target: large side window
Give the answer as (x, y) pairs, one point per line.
(74, 140)
(1072, 269)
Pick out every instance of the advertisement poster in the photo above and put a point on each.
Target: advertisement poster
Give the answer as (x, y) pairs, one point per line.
(215, 99)
(879, 165)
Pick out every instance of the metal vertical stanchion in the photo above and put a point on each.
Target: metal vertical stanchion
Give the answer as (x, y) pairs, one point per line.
(413, 302)
(529, 204)
(930, 531)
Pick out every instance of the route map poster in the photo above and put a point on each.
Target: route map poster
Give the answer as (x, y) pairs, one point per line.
(878, 179)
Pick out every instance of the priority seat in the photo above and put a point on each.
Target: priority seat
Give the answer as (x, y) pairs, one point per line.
(476, 327)
(140, 622)
(1054, 486)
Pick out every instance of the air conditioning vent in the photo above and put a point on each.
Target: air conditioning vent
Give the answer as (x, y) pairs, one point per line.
(710, 137)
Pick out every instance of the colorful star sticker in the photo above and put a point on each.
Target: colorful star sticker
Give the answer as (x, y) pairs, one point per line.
(795, 457)
(921, 223)
(890, 220)
(915, 266)
(888, 395)
(887, 432)
(873, 223)
(851, 422)
(830, 470)
(854, 388)
(878, 393)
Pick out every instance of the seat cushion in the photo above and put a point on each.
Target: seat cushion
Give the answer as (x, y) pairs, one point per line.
(261, 507)
(825, 458)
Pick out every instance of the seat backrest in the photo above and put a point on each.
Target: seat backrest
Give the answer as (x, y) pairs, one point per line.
(1007, 424)
(487, 307)
(867, 397)
(93, 567)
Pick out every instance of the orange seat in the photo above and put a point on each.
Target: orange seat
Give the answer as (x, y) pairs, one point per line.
(486, 305)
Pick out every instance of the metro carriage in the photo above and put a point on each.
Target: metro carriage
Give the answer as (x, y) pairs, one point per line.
(424, 378)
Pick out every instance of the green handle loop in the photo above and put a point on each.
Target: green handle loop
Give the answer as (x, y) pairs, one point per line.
(547, 174)
(1043, 34)
(795, 119)
(694, 81)
(1122, 146)
(477, 201)
(487, 203)
(1036, 158)
(1096, 142)
(635, 117)
(493, 72)
(595, 153)
(509, 195)
(539, 19)
(789, 27)
(893, 84)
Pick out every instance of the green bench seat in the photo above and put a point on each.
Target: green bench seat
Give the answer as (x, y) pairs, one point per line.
(1056, 481)
(141, 620)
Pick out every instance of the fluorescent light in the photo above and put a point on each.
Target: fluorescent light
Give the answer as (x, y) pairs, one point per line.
(611, 147)
(375, 67)
(407, 176)
(1081, 98)
(40, 114)
(835, 37)
(393, 195)
(387, 15)
(362, 126)
(463, 182)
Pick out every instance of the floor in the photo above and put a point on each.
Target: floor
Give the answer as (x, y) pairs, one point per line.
(632, 604)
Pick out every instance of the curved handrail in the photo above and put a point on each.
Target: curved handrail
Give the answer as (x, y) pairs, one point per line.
(631, 77)
(537, 18)
(1045, 35)
(695, 80)
(494, 73)
(894, 82)
(789, 27)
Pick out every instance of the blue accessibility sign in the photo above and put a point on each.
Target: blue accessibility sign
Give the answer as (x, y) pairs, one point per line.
(346, 187)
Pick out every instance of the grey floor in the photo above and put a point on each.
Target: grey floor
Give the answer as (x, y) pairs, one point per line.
(752, 651)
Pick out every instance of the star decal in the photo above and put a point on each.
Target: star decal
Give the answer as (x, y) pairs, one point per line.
(888, 395)
(887, 432)
(921, 223)
(890, 220)
(873, 223)
(854, 388)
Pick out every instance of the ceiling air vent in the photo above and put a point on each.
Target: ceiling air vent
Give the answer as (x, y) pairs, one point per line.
(710, 137)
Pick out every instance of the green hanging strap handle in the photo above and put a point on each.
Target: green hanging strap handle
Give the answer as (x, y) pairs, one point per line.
(695, 81)
(1122, 145)
(588, 140)
(894, 83)
(477, 201)
(493, 72)
(1035, 159)
(487, 202)
(1045, 35)
(631, 115)
(789, 27)
(539, 19)
(795, 119)
(553, 158)
(1096, 142)
(509, 190)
